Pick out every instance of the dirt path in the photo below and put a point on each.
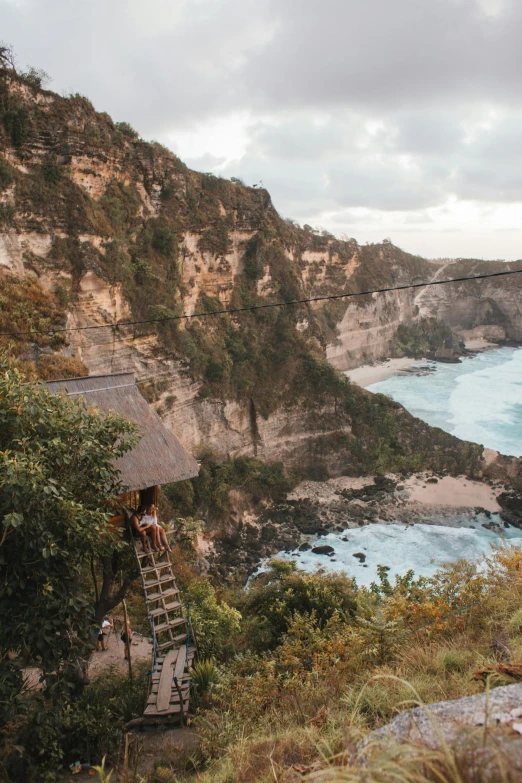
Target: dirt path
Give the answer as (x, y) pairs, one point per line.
(141, 649)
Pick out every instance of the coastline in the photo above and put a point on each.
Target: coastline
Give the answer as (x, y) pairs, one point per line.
(420, 493)
(317, 513)
(382, 369)
(367, 374)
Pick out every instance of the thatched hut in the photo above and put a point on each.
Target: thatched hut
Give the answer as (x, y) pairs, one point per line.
(158, 458)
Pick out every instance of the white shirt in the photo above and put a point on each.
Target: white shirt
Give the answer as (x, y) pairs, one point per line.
(148, 519)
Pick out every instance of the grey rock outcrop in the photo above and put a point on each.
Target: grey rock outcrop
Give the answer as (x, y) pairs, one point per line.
(432, 724)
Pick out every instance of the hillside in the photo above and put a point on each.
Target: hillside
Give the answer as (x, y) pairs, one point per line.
(100, 227)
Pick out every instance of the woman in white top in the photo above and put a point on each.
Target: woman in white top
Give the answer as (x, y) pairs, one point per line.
(149, 520)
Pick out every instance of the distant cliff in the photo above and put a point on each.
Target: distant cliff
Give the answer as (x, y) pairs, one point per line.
(114, 229)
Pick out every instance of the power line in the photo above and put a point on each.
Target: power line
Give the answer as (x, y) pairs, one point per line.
(265, 306)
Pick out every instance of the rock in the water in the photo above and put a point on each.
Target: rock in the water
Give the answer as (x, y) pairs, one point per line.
(360, 555)
(324, 549)
(305, 547)
(432, 480)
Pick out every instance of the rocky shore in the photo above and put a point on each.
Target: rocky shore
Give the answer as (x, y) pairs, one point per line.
(315, 509)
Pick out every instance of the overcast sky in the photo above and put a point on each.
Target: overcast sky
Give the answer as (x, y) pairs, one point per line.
(371, 118)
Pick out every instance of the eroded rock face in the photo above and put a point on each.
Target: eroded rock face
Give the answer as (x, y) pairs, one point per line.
(214, 225)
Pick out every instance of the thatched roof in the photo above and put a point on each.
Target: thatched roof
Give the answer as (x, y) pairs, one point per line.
(159, 457)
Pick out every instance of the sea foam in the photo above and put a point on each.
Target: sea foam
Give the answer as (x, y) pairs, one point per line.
(479, 399)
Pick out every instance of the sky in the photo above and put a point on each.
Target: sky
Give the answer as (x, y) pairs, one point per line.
(372, 119)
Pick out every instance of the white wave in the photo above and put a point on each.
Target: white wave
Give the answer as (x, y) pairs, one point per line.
(423, 548)
(479, 399)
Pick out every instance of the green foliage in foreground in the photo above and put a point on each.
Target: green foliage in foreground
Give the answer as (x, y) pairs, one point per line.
(89, 728)
(327, 680)
(282, 593)
(56, 474)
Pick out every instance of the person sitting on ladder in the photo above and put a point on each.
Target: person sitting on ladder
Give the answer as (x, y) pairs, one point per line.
(157, 534)
(140, 529)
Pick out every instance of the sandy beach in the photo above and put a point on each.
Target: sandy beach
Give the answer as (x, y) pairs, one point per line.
(367, 374)
(452, 492)
(422, 492)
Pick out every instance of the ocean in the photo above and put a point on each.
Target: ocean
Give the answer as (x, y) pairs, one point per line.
(399, 547)
(479, 399)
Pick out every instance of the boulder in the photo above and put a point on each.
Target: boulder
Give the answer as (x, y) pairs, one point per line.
(443, 722)
(324, 549)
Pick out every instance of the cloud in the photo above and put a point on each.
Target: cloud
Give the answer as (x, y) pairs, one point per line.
(393, 110)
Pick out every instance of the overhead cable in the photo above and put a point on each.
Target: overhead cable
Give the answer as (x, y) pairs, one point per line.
(265, 306)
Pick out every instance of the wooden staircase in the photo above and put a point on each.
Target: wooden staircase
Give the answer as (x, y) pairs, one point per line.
(173, 645)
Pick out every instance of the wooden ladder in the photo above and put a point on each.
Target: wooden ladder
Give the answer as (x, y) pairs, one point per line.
(173, 645)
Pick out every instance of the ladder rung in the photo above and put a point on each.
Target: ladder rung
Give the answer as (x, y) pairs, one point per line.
(169, 624)
(163, 594)
(173, 709)
(176, 640)
(156, 582)
(168, 608)
(155, 568)
(153, 554)
(174, 698)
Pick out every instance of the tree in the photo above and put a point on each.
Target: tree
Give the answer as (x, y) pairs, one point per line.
(280, 593)
(56, 476)
(7, 57)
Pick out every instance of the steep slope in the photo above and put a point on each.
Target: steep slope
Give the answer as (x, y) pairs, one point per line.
(116, 229)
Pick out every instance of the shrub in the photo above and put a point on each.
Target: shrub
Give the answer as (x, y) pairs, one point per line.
(50, 367)
(16, 123)
(7, 213)
(204, 674)
(163, 240)
(127, 130)
(515, 622)
(26, 306)
(36, 77)
(214, 622)
(51, 171)
(452, 660)
(6, 175)
(275, 596)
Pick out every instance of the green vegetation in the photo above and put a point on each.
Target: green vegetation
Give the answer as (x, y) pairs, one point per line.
(423, 338)
(318, 663)
(56, 478)
(26, 307)
(6, 175)
(208, 494)
(16, 124)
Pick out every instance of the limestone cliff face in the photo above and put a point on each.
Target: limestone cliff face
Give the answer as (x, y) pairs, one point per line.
(123, 231)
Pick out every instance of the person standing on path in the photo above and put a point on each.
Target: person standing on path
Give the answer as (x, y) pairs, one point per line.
(126, 637)
(103, 631)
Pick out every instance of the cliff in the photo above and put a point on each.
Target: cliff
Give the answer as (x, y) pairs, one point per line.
(112, 229)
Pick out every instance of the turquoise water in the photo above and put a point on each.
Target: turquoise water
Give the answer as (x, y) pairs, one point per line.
(422, 547)
(479, 399)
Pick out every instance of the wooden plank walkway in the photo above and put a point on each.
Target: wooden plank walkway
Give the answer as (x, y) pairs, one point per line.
(173, 646)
